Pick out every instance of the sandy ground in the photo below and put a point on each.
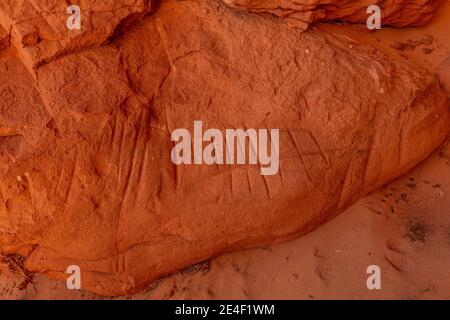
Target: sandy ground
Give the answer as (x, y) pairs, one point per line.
(404, 228)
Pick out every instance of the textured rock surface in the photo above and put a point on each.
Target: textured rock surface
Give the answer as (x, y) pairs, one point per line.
(4, 38)
(397, 13)
(38, 27)
(444, 74)
(86, 176)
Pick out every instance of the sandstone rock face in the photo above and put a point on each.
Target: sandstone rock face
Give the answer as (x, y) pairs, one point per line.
(4, 38)
(444, 74)
(38, 27)
(85, 141)
(397, 13)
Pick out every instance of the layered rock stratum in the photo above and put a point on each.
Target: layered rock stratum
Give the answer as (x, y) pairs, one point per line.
(301, 13)
(86, 119)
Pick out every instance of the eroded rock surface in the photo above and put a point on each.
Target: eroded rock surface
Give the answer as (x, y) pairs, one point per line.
(4, 38)
(86, 174)
(444, 74)
(301, 13)
(38, 28)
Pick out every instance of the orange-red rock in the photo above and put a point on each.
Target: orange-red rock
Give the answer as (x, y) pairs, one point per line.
(397, 13)
(39, 32)
(86, 175)
(4, 38)
(444, 74)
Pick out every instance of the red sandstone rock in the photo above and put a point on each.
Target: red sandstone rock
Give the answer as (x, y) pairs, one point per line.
(86, 175)
(4, 38)
(397, 13)
(444, 74)
(39, 29)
